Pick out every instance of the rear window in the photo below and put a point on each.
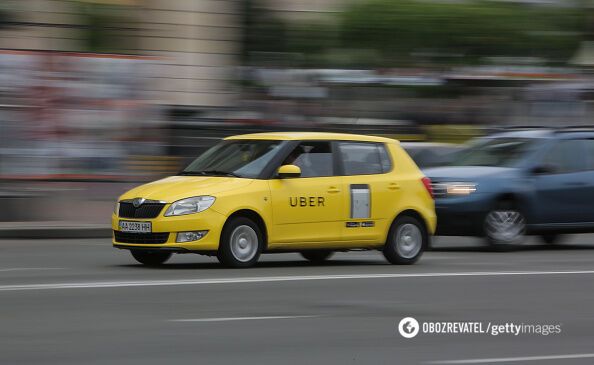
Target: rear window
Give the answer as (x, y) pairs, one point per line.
(362, 158)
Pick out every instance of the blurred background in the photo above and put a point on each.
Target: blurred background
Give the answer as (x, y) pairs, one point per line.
(99, 95)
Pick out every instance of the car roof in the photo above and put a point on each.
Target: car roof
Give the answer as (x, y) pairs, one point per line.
(429, 145)
(525, 133)
(299, 136)
(561, 133)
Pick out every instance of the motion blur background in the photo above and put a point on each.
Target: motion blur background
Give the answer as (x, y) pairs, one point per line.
(100, 95)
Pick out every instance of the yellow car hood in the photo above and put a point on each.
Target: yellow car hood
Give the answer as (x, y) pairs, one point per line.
(175, 188)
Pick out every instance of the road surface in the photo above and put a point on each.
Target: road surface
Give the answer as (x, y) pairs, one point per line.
(83, 302)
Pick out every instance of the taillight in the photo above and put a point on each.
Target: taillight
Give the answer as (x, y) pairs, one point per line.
(427, 183)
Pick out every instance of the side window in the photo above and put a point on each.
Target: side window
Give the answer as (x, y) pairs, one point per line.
(565, 157)
(313, 158)
(361, 158)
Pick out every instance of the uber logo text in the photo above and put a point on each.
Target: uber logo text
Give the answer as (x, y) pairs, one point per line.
(305, 201)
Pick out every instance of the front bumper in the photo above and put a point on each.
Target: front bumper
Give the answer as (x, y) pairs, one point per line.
(208, 220)
(461, 216)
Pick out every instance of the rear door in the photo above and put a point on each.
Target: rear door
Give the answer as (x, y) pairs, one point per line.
(365, 167)
(561, 193)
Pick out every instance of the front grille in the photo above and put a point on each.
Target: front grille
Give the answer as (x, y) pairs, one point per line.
(146, 210)
(439, 190)
(146, 238)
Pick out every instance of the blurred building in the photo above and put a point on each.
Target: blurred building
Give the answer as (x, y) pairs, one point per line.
(86, 85)
(195, 42)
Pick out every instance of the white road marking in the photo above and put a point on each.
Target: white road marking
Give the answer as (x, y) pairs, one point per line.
(31, 268)
(267, 279)
(227, 319)
(514, 359)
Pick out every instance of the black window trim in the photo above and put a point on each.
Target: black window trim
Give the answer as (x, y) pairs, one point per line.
(269, 172)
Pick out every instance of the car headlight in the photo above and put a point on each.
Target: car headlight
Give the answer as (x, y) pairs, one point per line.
(460, 188)
(192, 205)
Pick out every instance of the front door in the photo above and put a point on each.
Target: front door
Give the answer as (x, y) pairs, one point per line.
(307, 209)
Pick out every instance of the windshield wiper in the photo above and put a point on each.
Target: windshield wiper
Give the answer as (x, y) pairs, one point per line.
(209, 172)
(218, 172)
(190, 173)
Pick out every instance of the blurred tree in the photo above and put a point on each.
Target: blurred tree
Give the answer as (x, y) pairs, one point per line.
(264, 33)
(9, 13)
(6, 18)
(400, 30)
(109, 26)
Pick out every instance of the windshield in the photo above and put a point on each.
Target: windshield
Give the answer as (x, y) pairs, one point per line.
(502, 152)
(239, 158)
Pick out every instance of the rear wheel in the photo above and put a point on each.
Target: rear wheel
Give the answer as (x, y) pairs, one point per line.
(241, 243)
(317, 257)
(504, 226)
(150, 258)
(407, 240)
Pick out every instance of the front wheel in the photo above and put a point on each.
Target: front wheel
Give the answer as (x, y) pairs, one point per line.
(241, 243)
(407, 240)
(150, 258)
(505, 226)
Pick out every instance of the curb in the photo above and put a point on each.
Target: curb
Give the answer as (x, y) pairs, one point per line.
(55, 232)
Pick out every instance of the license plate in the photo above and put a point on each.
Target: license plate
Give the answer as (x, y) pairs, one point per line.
(136, 227)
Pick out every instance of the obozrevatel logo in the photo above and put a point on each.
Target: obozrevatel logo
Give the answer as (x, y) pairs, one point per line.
(408, 327)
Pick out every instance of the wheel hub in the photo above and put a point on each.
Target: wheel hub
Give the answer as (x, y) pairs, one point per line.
(244, 243)
(409, 240)
(505, 225)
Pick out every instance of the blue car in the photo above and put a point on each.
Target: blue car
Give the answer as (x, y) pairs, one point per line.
(510, 184)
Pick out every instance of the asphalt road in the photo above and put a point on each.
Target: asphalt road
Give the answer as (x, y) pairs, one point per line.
(83, 302)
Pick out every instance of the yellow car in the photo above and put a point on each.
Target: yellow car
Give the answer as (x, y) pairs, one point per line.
(312, 193)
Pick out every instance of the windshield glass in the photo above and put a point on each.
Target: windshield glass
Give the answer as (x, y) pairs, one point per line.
(502, 152)
(240, 158)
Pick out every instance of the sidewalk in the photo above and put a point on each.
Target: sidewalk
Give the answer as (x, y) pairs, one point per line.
(54, 229)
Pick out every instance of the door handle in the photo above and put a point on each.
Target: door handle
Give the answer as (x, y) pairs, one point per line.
(333, 190)
(394, 186)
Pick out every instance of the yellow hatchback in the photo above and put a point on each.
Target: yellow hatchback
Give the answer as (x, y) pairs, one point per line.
(312, 193)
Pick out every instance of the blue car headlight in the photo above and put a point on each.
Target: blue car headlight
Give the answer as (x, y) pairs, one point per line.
(460, 188)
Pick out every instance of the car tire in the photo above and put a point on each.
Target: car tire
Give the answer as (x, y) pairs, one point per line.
(504, 226)
(407, 240)
(150, 258)
(551, 238)
(241, 243)
(317, 256)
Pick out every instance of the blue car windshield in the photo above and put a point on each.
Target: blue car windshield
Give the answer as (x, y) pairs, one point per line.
(497, 152)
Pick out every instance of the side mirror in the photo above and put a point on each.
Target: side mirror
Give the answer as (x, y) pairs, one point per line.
(543, 170)
(289, 171)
